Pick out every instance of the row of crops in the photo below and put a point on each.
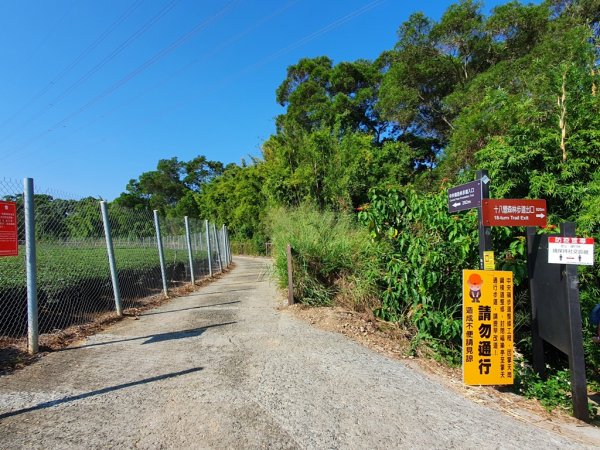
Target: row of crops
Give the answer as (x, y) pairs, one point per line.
(73, 276)
(74, 284)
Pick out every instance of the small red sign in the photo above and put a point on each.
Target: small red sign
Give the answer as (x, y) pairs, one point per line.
(9, 237)
(571, 250)
(570, 240)
(504, 212)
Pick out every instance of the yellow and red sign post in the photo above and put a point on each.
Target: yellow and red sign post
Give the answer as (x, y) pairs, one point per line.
(488, 324)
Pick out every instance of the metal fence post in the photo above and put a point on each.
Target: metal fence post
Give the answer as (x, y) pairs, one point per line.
(161, 253)
(218, 248)
(30, 261)
(208, 250)
(225, 257)
(189, 246)
(226, 242)
(228, 245)
(111, 258)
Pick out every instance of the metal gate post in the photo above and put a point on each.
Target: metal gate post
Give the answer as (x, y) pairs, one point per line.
(30, 262)
(111, 259)
(189, 246)
(161, 253)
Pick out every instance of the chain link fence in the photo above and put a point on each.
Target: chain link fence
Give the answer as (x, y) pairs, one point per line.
(74, 284)
(13, 289)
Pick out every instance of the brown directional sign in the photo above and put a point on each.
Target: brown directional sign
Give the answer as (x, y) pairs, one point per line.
(465, 196)
(514, 213)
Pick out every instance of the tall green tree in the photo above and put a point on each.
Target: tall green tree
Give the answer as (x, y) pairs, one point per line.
(171, 186)
(236, 198)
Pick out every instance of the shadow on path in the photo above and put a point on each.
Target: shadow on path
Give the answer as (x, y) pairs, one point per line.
(187, 309)
(153, 338)
(224, 292)
(225, 285)
(74, 398)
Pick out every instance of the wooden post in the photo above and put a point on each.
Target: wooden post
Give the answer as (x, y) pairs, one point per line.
(290, 280)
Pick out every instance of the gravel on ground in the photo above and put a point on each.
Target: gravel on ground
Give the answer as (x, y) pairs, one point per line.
(224, 368)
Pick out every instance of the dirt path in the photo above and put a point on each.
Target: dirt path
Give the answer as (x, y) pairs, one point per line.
(222, 368)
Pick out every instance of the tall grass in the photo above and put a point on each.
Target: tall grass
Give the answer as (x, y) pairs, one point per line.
(335, 261)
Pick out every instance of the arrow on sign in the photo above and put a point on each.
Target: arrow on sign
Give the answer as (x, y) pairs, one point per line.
(541, 216)
(455, 204)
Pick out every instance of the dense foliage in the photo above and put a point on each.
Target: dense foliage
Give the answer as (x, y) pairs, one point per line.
(514, 92)
(421, 281)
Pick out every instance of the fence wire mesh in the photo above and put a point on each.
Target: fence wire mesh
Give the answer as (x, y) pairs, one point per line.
(73, 272)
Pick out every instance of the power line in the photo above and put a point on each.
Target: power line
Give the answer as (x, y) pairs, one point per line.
(311, 37)
(184, 68)
(108, 58)
(189, 65)
(308, 38)
(114, 87)
(72, 65)
(335, 24)
(50, 33)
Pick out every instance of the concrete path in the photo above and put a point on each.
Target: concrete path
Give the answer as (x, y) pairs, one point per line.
(222, 368)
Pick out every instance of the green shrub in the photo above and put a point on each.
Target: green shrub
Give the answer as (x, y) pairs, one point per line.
(428, 250)
(553, 392)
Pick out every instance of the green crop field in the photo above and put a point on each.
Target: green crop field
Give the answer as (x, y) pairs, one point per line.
(69, 266)
(74, 283)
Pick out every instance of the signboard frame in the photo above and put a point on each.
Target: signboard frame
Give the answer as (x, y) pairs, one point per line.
(556, 313)
(507, 212)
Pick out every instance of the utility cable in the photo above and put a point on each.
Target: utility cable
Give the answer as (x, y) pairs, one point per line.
(216, 50)
(189, 65)
(328, 28)
(100, 65)
(71, 66)
(156, 58)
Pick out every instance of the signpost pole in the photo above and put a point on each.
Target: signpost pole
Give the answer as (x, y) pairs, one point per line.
(537, 343)
(485, 237)
(576, 355)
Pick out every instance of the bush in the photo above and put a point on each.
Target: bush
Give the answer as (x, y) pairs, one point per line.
(428, 250)
(334, 260)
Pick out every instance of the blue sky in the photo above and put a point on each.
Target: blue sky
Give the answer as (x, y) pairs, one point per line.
(96, 92)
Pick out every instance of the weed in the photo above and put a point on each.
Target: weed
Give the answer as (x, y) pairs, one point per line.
(553, 392)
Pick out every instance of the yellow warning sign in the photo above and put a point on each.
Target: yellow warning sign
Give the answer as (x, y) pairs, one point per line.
(487, 327)
(489, 262)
